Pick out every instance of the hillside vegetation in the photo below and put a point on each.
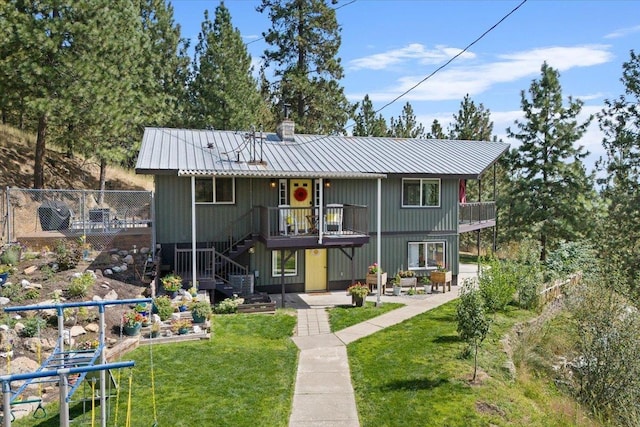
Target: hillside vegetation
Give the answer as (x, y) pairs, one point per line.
(60, 171)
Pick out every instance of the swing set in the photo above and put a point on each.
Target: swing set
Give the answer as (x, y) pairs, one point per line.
(67, 364)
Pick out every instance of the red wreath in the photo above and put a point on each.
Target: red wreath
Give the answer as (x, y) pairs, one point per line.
(300, 194)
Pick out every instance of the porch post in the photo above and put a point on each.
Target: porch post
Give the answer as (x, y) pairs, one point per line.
(282, 260)
(193, 231)
(495, 211)
(320, 213)
(479, 219)
(379, 243)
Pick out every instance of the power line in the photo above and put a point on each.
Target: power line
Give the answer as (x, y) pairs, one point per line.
(451, 59)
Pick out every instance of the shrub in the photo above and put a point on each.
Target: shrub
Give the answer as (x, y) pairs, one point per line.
(47, 272)
(32, 294)
(162, 305)
(32, 326)
(12, 291)
(497, 284)
(67, 255)
(11, 255)
(81, 284)
(228, 306)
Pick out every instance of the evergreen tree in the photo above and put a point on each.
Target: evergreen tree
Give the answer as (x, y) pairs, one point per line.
(366, 122)
(436, 131)
(305, 38)
(223, 92)
(406, 125)
(620, 123)
(472, 123)
(551, 193)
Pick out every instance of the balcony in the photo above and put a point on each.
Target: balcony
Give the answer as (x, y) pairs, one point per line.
(333, 225)
(476, 216)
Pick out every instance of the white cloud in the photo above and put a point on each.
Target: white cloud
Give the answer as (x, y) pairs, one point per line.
(623, 32)
(413, 51)
(457, 81)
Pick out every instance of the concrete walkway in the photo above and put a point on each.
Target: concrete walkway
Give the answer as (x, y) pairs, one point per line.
(323, 393)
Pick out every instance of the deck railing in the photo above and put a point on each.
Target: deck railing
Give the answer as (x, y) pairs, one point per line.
(336, 220)
(210, 264)
(477, 212)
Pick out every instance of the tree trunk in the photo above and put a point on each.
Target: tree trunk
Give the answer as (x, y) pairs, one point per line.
(103, 179)
(41, 143)
(475, 363)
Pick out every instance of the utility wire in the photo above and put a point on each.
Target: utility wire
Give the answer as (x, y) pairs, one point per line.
(450, 60)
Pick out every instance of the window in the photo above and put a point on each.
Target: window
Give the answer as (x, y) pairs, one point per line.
(426, 255)
(420, 192)
(215, 190)
(290, 265)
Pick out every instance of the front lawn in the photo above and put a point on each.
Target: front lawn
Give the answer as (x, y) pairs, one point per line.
(413, 374)
(245, 375)
(343, 316)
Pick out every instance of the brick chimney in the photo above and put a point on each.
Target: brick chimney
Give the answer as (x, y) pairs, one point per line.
(286, 130)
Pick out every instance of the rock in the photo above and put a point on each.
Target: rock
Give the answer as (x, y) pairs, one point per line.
(123, 267)
(18, 327)
(42, 344)
(6, 354)
(98, 273)
(92, 327)
(77, 330)
(111, 296)
(128, 259)
(105, 286)
(116, 269)
(155, 318)
(34, 286)
(91, 273)
(123, 253)
(68, 340)
(4, 300)
(108, 272)
(144, 250)
(25, 283)
(4, 327)
(30, 270)
(96, 298)
(115, 258)
(111, 342)
(197, 329)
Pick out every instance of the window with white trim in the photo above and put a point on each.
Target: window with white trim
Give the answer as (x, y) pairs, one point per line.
(218, 190)
(421, 192)
(426, 255)
(290, 265)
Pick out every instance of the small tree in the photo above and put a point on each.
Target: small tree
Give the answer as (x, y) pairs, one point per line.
(473, 324)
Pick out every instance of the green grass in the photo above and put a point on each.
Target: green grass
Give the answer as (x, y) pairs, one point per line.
(343, 316)
(415, 372)
(243, 376)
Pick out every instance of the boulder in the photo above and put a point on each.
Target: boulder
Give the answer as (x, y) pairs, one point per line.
(77, 331)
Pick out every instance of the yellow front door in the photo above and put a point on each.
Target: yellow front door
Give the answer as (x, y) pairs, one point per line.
(315, 277)
(301, 196)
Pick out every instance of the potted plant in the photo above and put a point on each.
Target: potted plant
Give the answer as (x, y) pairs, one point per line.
(131, 323)
(193, 289)
(182, 306)
(5, 270)
(171, 283)
(180, 326)
(358, 292)
(200, 311)
(155, 329)
(397, 287)
(163, 307)
(372, 276)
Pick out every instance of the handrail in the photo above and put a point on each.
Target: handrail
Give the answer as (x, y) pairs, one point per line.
(227, 235)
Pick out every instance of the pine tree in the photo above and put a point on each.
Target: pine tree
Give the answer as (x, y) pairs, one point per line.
(436, 131)
(305, 38)
(406, 125)
(551, 193)
(366, 122)
(224, 94)
(620, 123)
(472, 123)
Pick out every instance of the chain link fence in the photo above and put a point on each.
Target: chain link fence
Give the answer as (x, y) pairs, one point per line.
(101, 220)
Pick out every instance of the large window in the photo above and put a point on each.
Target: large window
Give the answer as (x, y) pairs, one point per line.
(290, 264)
(426, 255)
(215, 190)
(420, 192)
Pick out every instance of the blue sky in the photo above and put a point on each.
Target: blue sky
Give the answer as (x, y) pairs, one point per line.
(389, 45)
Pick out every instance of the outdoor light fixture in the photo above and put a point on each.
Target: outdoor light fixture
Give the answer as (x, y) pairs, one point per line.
(272, 184)
(327, 183)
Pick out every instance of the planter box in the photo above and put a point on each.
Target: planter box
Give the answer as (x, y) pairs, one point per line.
(408, 282)
(438, 277)
(372, 279)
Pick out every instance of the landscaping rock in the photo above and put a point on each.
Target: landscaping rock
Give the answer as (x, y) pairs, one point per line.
(77, 331)
(18, 327)
(30, 270)
(4, 300)
(92, 327)
(129, 260)
(111, 296)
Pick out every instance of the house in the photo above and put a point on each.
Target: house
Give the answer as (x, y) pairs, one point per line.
(284, 212)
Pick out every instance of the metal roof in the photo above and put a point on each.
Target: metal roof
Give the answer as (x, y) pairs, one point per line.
(210, 152)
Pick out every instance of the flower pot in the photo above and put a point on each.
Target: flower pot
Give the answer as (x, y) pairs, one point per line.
(198, 319)
(397, 290)
(154, 334)
(3, 278)
(182, 308)
(183, 331)
(408, 282)
(131, 331)
(357, 300)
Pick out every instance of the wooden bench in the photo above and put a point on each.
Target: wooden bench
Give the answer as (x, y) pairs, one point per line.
(258, 307)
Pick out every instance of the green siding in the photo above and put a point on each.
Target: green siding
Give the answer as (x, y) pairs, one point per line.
(399, 225)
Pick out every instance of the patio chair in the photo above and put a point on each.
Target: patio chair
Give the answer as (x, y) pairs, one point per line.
(333, 218)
